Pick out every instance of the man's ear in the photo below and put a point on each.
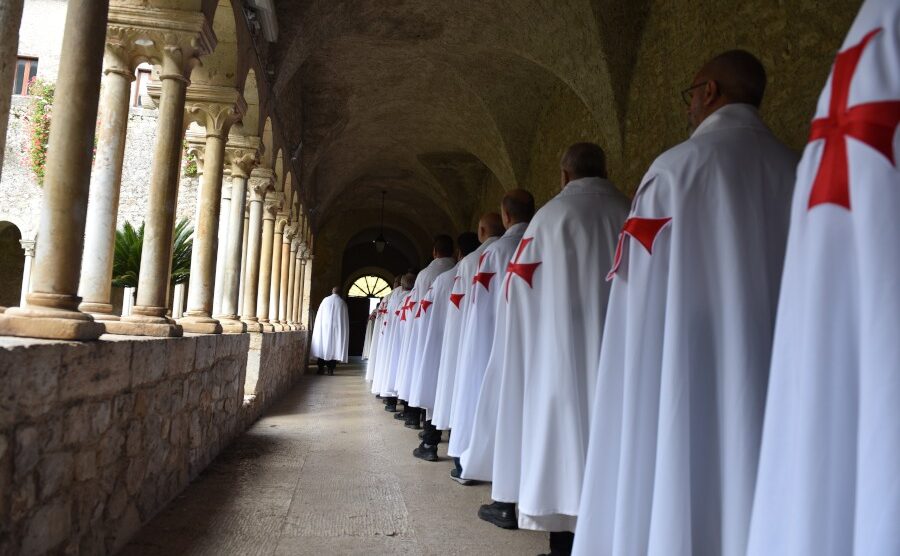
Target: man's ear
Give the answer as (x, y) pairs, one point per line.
(711, 92)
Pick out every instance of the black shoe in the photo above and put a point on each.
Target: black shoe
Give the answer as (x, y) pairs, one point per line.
(428, 453)
(377, 396)
(422, 434)
(391, 407)
(400, 416)
(454, 474)
(416, 425)
(331, 372)
(320, 372)
(501, 514)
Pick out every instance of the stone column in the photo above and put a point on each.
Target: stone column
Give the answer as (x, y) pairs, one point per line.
(304, 296)
(292, 278)
(242, 157)
(241, 286)
(28, 247)
(216, 118)
(275, 276)
(270, 211)
(10, 21)
(148, 318)
(284, 286)
(261, 181)
(222, 246)
(298, 283)
(51, 308)
(106, 180)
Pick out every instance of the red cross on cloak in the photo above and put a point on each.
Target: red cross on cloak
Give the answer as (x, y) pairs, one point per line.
(408, 305)
(644, 230)
(423, 305)
(872, 123)
(456, 298)
(524, 271)
(483, 278)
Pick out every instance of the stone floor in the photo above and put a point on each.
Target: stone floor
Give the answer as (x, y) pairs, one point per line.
(328, 471)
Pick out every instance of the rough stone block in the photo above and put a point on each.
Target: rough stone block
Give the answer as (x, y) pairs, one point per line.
(126, 527)
(111, 447)
(181, 354)
(86, 465)
(206, 352)
(29, 381)
(134, 476)
(24, 497)
(55, 473)
(48, 528)
(101, 417)
(78, 425)
(28, 451)
(95, 369)
(134, 441)
(149, 361)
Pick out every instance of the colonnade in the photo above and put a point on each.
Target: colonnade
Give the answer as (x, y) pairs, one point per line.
(244, 277)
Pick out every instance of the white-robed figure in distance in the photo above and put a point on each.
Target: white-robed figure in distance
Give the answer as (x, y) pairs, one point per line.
(425, 374)
(370, 326)
(516, 211)
(679, 406)
(378, 331)
(557, 302)
(828, 473)
(331, 333)
(442, 254)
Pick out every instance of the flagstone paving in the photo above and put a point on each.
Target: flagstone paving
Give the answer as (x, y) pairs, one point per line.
(328, 471)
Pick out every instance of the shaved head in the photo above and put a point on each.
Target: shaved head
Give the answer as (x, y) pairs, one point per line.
(397, 280)
(468, 242)
(408, 281)
(732, 77)
(740, 75)
(490, 225)
(443, 246)
(517, 207)
(583, 160)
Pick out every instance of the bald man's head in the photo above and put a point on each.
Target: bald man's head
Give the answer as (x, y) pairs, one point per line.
(735, 76)
(490, 225)
(583, 160)
(408, 281)
(517, 207)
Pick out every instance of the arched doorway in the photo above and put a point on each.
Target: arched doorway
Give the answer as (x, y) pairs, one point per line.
(12, 264)
(363, 294)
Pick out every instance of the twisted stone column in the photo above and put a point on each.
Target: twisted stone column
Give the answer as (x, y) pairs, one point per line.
(148, 317)
(217, 118)
(242, 158)
(261, 181)
(51, 308)
(270, 211)
(222, 244)
(287, 240)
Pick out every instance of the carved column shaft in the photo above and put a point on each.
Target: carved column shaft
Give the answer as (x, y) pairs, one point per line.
(284, 287)
(222, 245)
(270, 211)
(260, 182)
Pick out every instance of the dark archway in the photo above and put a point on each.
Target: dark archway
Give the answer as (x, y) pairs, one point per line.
(12, 264)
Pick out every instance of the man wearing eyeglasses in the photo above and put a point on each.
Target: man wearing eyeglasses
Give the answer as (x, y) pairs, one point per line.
(678, 410)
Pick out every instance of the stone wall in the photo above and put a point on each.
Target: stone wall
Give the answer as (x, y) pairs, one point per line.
(276, 360)
(96, 437)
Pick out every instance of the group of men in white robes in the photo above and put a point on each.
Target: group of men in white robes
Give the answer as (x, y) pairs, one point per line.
(645, 379)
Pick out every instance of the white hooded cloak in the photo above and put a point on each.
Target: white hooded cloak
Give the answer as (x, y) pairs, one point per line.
(828, 474)
(459, 295)
(377, 335)
(370, 326)
(331, 330)
(386, 343)
(678, 410)
(478, 335)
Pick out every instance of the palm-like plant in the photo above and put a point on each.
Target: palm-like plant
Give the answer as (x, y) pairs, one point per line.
(127, 255)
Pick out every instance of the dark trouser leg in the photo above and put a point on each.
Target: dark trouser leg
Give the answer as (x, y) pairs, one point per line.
(331, 365)
(458, 465)
(320, 363)
(432, 436)
(561, 543)
(413, 417)
(390, 404)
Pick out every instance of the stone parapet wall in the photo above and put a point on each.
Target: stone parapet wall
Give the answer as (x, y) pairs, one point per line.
(276, 360)
(95, 438)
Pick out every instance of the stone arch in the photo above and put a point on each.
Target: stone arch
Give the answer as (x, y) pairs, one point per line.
(249, 124)
(378, 271)
(268, 147)
(12, 264)
(221, 66)
(279, 171)
(288, 189)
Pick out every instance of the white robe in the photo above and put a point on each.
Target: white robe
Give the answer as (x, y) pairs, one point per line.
(411, 343)
(828, 474)
(400, 324)
(370, 326)
(331, 330)
(377, 335)
(385, 344)
(478, 335)
(459, 297)
(557, 303)
(678, 411)
(425, 374)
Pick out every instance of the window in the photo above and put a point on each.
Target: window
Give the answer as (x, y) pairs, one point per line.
(139, 87)
(369, 286)
(26, 70)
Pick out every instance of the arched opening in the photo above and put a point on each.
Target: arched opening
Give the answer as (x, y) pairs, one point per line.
(12, 264)
(366, 288)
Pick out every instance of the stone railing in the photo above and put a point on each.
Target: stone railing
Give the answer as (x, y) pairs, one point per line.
(95, 438)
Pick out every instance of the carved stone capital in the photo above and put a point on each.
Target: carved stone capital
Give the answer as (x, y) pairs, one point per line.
(28, 246)
(262, 180)
(290, 232)
(273, 203)
(215, 108)
(241, 154)
(280, 223)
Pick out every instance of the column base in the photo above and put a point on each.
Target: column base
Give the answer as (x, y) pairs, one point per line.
(252, 325)
(69, 325)
(142, 325)
(200, 324)
(100, 311)
(232, 326)
(266, 327)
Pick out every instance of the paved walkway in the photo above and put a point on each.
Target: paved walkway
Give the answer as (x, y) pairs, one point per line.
(328, 471)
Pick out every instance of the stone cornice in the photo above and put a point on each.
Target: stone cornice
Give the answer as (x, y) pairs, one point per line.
(150, 31)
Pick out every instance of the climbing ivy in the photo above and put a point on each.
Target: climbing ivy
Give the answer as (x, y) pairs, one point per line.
(42, 91)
